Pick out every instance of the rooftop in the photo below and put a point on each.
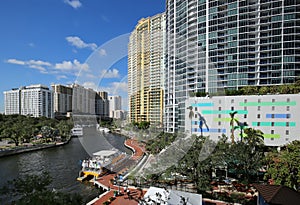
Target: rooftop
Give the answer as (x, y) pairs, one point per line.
(105, 153)
(278, 194)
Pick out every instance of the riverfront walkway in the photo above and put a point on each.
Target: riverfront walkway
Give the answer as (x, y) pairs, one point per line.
(129, 198)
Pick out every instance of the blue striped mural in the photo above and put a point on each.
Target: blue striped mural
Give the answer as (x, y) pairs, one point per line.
(210, 104)
(278, 115)
(211, 130)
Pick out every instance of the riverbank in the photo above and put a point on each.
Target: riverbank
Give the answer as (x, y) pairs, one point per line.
(30, 148)
(62, 164)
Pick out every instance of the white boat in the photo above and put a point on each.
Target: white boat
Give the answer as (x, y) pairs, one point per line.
(99, 163)
(77, 131)
(103, 129)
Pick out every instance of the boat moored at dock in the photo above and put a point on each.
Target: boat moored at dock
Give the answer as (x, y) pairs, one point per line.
(77, 131)
(103, 129)
(101, 162)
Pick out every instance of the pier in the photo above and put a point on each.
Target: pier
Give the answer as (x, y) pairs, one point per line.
(114, 193)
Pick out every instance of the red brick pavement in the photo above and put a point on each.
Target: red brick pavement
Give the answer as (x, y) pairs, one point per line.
(135, 194)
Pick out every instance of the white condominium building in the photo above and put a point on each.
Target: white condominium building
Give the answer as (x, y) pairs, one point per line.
(277, 116)
(62, 99)
(115, 103)
(12, 102)
(33, 100)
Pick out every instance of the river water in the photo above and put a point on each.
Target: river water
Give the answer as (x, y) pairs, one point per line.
(62, 163)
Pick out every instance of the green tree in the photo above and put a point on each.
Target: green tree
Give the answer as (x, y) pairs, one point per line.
(64, 127)
(47, 132)
(250, 90)
(273, 89)
(263, 90)
(34, 190)
(285, 89)
(196, 169)
(284, 167)
(13, 132)
(254, 137)
(245, 158)
(144, 125)
(154, 146)
(19, 128)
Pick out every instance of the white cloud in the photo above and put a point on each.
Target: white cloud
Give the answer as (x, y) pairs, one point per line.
(39, 63)
(60, 70)
(119, 87)
(15, 61)
(116, 88)
(102, 52)
(61, 77)
(69, 66)
(65, 65)
(74, 3)
(114, 73)
(40, 68)
(35, 64)
(91, 85)
(77, 42)
(88, 75)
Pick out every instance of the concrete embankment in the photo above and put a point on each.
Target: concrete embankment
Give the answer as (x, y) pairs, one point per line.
(31, 148)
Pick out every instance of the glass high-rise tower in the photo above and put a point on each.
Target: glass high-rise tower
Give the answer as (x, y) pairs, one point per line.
(214, 45)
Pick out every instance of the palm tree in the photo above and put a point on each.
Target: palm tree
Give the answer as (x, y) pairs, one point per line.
(254, 137)
(191, 115)
(241, 126)
(232, 121)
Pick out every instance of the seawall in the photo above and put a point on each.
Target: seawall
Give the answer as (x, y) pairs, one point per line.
(20, 150)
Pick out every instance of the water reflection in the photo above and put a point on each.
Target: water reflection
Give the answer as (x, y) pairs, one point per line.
(61, 162)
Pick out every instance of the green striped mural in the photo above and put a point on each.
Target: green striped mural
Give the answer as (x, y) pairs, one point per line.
(227, 119)
(214, 112)
(276, 124)
(275, 136)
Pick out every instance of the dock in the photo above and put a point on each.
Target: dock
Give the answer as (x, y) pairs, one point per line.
(105, 182)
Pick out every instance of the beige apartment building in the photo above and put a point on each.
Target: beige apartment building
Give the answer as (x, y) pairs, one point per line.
(145, 70)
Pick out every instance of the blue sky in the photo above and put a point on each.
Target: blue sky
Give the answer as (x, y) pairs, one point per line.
(57, 41)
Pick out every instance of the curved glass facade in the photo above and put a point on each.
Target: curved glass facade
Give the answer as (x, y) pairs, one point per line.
(214, 45)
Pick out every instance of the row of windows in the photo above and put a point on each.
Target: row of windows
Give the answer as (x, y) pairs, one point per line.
(287, 132)
(258, 109)
(259, 100)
